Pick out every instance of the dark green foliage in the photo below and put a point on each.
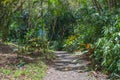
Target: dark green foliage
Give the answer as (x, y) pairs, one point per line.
(103, 31)
(108, 48)
(66, 25)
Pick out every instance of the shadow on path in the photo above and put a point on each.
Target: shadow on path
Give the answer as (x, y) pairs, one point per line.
(71, 67)
(69, 62)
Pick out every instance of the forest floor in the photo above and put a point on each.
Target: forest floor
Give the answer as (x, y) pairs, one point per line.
(71, 67)
(22, 67)
(64, 67)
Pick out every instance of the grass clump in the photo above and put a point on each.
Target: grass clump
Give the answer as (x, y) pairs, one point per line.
(31, 71)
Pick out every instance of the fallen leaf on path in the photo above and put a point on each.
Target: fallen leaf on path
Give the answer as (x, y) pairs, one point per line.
(67, 69)
(93, 73)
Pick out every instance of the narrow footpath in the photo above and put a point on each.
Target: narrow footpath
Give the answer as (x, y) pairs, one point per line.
(71, 67)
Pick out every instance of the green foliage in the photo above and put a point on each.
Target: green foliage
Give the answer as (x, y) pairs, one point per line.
(108, 50)
(54, 45)
(101, 30)
(57, 24)
(36, 44)
(34, 71)
(69, 43)
(6, 71)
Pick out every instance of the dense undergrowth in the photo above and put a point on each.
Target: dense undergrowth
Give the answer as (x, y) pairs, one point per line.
(72, 25)
(101, 37)
(31, 71)
(21, 64)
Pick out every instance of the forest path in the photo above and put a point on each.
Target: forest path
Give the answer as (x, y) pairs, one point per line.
(71, 67)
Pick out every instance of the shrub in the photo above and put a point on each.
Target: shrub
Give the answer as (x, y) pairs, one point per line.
(107, 51)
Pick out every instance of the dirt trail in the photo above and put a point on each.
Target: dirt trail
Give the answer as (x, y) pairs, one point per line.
(71, 67)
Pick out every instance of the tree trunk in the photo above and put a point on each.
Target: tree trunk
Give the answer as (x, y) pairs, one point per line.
(98, 6)
(112, 4)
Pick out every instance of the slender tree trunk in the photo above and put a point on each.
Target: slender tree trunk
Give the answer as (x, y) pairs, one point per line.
(112, 4)
(98, 6)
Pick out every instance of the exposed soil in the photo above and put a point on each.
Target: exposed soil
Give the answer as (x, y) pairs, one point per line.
(64, 67)
(8, 57)
(71, 67)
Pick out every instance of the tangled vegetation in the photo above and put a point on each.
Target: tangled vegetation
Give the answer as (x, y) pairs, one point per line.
(72, 25)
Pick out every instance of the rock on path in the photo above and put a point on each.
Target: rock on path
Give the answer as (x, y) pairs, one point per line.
(69, 67)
